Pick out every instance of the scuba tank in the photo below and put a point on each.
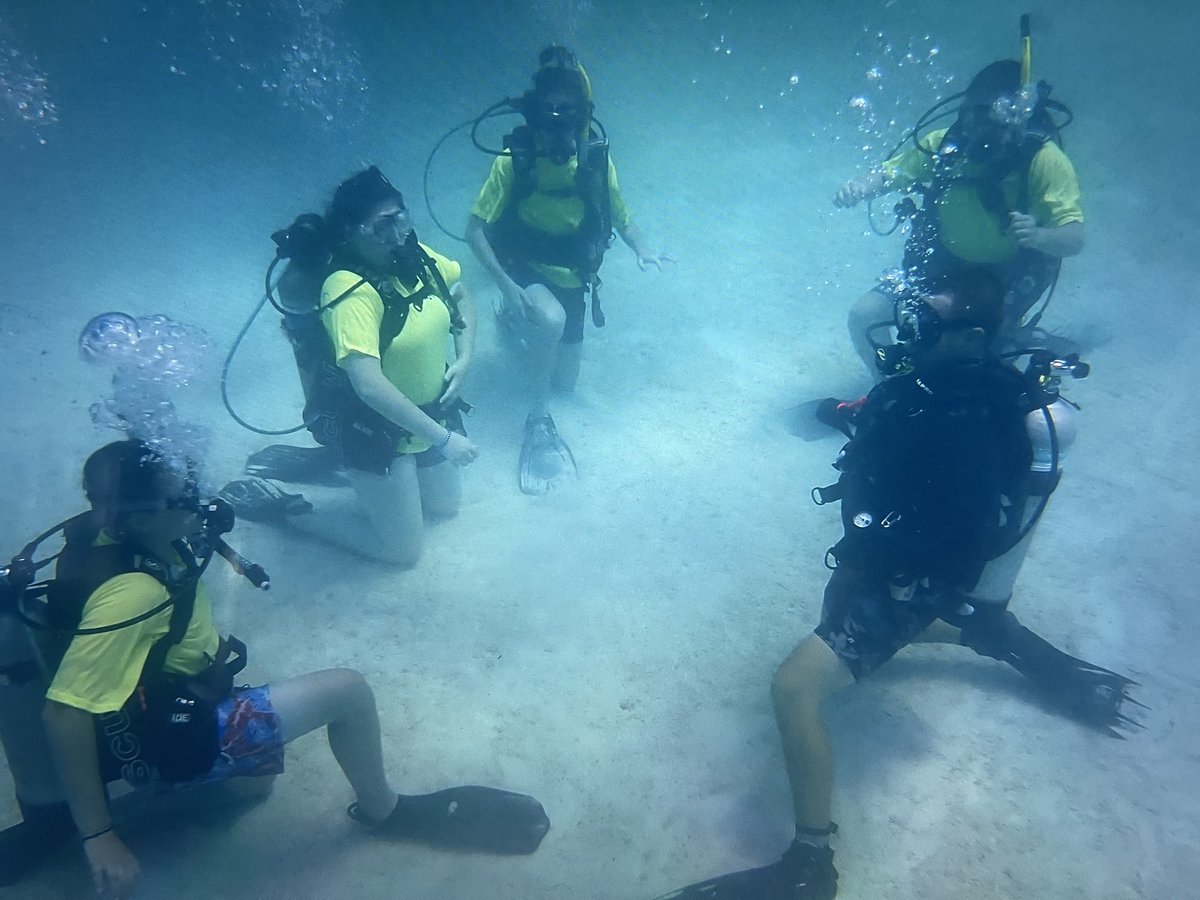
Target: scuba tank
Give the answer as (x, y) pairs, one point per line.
(332, 410)
(23, 685)
(46, 823)
(1051, 429)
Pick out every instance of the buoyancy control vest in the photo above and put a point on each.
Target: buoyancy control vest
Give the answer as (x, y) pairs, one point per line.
(1030, 272)
(168, 725)
(938, 462)
(582, 251)
(333, 412)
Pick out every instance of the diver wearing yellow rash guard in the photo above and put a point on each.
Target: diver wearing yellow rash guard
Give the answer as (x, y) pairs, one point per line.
(998, 191)
(539, 227)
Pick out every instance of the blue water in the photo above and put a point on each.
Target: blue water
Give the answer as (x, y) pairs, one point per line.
(609, 648)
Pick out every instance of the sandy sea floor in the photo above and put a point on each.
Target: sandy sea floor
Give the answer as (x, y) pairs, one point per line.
(609, 647)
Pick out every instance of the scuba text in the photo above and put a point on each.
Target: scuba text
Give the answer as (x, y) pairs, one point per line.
(168, 726)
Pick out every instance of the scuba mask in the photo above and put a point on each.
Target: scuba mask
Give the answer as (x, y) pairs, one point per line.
(1015, 110)
(559, 107)
(983, 136)
(557, 127)
(389, 229)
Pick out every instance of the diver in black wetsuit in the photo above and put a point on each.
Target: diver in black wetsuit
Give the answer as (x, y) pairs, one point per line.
(948, 469)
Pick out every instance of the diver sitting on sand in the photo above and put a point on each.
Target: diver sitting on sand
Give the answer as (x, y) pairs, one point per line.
(941, 486)
(540, 226)
(997, 191)
(133, 682)
(368, 310)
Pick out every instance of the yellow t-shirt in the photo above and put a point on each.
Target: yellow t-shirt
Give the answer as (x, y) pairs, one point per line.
(99, 672)
(965, 225)
(415, 361)
(553, 206)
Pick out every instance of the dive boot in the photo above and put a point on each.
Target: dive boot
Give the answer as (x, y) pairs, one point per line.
(545, 457)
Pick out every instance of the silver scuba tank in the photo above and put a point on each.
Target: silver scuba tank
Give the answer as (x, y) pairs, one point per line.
(1051, 430)
(23, 685)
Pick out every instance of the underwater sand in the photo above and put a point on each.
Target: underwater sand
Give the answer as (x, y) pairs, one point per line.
(608, 648)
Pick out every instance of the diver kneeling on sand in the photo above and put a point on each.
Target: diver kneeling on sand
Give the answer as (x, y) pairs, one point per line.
(540, 226)
(996, 189)
(949, 468)
(367, 309)
(129, 680)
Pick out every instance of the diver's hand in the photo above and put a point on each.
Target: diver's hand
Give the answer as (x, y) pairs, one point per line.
(453, 380)
(658, 260)
(460, 449)
(1025, 229)
(852, 193)
(516, 301)
(115, 871)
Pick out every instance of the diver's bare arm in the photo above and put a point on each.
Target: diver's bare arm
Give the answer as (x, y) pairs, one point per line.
(482, 248)
(464, 341)
(1060, 241)
(866, 187)
(373, 388)
(636, 241)
(1065, 240)
(72, 741)
(464, 346)
(72, 738)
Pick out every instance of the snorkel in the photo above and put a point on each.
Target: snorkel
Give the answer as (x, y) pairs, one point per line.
(1026, 52)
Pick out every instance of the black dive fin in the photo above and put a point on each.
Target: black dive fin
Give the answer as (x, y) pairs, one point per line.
(545, 457)
(1085, 691)
(815, 879)
(1088, 692)
(813, 420)
(42, 832)
(258, 500)
(301, 465)
(470, 818)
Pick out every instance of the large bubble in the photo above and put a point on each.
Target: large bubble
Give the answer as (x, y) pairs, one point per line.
(109, 339)
(152, 359)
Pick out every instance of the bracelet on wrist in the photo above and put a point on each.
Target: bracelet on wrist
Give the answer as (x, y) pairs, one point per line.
(95, 834)
(441, 445)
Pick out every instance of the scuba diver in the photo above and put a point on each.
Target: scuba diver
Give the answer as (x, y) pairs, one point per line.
(997, 190)
(129, 680)
(367, 309)
(950, 465)
(540, 226)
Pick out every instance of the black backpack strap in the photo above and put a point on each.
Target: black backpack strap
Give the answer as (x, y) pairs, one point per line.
(343, 295)
(182, 599)
(457, 323)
